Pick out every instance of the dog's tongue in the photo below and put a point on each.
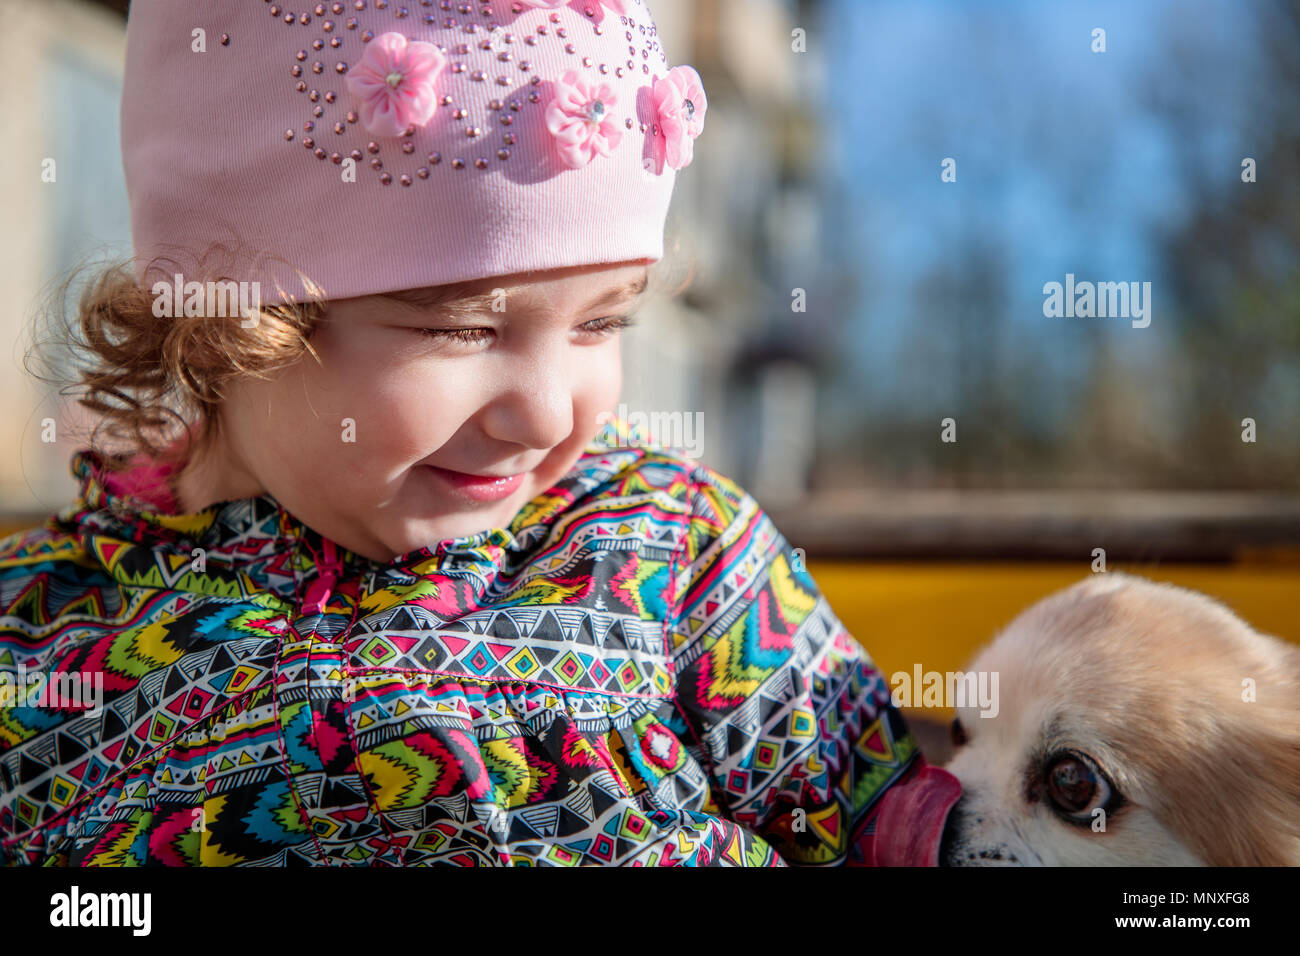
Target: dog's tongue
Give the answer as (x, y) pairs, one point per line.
(909, 826)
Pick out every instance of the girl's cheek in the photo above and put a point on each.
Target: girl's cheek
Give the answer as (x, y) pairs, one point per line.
(603, 379)
(598, 385)
(387, 411)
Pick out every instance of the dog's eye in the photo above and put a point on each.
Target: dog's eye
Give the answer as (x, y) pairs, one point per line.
(1076, 785)
(957, 732)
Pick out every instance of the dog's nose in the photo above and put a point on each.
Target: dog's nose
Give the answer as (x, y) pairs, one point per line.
(910, 823)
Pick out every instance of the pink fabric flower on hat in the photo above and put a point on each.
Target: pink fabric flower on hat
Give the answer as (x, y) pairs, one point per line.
(394, 83)
(679, 105)
(581, 119)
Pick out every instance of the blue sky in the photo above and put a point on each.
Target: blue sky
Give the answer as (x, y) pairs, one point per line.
(1065, 162)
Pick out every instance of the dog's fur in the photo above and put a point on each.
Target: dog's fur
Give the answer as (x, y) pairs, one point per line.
(1146, 681)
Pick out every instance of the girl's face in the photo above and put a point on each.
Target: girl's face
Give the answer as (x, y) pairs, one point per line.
(393, 441)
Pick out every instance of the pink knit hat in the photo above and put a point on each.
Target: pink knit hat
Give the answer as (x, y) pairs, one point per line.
(377, 145)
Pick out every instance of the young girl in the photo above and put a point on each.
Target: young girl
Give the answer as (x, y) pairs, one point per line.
(402, 592)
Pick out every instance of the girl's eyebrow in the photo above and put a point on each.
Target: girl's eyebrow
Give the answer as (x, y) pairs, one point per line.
(453, 300)
(611, 296)
(441, 295)
(629, 291)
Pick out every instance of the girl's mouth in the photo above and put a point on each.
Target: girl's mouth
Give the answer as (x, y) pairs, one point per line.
(478, 487)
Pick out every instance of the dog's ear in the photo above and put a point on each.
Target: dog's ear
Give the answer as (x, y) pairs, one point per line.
(1252, 817)
(1262, 828)
(1278, 828)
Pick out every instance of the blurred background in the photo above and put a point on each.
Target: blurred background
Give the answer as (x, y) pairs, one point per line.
(881, 193)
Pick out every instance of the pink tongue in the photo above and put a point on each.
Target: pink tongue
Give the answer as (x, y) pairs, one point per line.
(909, 826)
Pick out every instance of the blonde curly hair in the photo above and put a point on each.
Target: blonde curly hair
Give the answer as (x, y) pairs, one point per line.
(141, 376)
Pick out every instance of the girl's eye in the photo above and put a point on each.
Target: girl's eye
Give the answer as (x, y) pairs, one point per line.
(601, 326)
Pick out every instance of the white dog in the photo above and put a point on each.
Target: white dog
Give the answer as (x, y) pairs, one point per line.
(1139, 724)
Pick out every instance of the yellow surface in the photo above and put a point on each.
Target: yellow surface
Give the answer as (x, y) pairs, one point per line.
(939, 615)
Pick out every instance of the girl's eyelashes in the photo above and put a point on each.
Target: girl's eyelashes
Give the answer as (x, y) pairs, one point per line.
(598, 327)
(470, 336)
(610, 323)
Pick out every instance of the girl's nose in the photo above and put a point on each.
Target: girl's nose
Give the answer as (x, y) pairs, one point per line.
(535, 406)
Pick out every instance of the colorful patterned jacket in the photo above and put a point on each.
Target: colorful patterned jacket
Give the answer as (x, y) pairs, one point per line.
(634, 672)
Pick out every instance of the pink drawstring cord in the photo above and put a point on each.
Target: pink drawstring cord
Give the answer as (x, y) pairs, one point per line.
(319, 591)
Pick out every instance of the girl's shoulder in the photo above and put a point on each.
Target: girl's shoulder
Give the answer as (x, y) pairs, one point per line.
(715, 512)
